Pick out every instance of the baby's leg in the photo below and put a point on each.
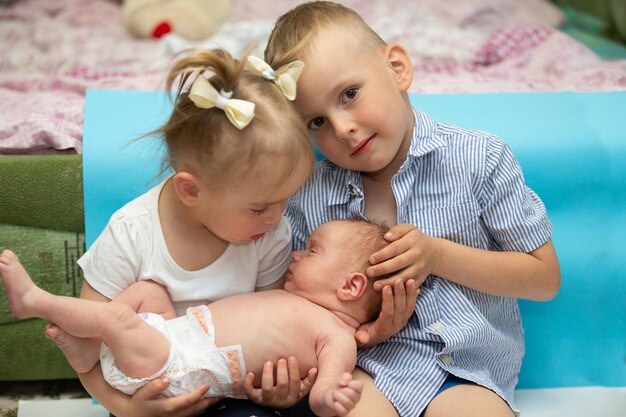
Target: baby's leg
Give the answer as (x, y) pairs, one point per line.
(82, 353)
(140, 349)
(148, 297)
(468, 400)
(21, 291)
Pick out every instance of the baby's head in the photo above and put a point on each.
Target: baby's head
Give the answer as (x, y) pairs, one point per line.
(331, 270)
(233, 177)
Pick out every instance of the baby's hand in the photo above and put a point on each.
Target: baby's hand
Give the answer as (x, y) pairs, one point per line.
(410, 255)
(342, 397)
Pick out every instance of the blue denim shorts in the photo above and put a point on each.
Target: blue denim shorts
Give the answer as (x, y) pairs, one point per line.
(451, 381)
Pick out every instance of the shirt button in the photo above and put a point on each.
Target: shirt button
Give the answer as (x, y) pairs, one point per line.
(437, 326)
(447, 359)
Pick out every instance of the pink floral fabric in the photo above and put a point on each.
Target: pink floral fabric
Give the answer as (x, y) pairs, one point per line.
(52, 51)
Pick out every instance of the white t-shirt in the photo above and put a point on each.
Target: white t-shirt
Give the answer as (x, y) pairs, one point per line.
(132, 248)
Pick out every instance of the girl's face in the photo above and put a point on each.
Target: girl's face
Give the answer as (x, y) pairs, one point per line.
(247, 210)
(351, 98)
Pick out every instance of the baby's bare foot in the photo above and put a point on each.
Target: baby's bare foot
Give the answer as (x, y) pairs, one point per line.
(82, 353)
(20, 290)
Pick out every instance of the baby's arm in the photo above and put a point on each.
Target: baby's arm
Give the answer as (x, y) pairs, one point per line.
(335, 392)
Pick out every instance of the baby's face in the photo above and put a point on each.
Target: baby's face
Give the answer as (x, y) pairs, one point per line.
(315, 272)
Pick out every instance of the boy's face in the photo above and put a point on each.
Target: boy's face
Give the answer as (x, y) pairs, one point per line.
(316, 272)
(351, 99)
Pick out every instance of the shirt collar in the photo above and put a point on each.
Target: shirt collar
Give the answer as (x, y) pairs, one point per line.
(424, 140)
(425, 136)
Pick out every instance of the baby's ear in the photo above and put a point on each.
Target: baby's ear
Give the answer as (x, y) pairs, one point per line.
(400, 63)
(187, 187)
(353, 287)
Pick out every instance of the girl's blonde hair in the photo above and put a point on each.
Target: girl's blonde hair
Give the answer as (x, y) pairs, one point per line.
(205, 143)
(295, 30)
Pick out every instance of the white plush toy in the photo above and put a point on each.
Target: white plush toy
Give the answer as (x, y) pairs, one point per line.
(190, 19)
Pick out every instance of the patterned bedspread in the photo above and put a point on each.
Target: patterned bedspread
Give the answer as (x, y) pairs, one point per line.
(52, 51)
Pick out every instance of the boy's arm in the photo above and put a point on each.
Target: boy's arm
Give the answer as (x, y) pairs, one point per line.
(516, 219)
(335, 392)
(534, 276)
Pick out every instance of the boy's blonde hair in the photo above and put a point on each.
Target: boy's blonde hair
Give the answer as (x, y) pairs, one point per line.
(367, 238)
(295, 30)
(205, 143)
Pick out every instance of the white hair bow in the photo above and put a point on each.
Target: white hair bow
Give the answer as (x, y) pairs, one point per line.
(204, 95)
(285, 77)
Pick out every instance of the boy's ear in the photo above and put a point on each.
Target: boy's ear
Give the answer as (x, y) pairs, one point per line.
(400, 63)
(354, 286)
(187, 187)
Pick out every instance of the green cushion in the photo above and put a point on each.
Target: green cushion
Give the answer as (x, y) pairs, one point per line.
(42, 191)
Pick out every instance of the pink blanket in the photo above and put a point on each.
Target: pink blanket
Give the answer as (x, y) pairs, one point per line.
(52, 51)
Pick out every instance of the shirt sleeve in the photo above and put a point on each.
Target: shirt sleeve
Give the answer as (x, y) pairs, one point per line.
(513, 213)
(297, 220)
(274, 251)
(113, 261)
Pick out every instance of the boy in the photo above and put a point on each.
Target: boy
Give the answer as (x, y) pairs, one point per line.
(326, 297)
(468, 231)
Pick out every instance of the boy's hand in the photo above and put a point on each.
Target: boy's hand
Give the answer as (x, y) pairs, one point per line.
(410, 255)
(397, 307)
(148, 401)
(289, 388)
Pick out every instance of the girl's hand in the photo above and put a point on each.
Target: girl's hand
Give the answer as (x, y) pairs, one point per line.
(148, 401)
(289, 388)
(397, 307)
(410, 255)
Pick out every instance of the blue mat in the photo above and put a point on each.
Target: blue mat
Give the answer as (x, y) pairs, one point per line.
(572, 147)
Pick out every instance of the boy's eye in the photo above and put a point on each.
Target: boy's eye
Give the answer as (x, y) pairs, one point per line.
(258, 212)
(316, 123)
(350, 94)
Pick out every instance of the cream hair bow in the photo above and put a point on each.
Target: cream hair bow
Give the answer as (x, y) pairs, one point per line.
(285, 77)
(204, 95)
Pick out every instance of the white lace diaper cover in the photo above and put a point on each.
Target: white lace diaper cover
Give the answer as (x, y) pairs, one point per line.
(193, 359)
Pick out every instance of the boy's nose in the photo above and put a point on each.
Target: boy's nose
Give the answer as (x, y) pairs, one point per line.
(296, 255)
(344, 127)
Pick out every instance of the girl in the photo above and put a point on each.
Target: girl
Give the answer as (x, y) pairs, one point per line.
(215, 227)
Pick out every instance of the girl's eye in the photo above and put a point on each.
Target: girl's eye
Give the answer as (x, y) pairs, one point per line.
(259, 212)
(316, 123)
(350, 94)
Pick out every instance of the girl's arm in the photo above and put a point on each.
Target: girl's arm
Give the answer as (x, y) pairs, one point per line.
(145, 402)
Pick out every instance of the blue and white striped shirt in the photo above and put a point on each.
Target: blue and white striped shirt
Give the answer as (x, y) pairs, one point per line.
(465, 186)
